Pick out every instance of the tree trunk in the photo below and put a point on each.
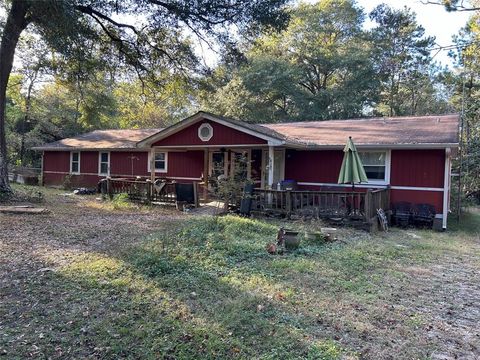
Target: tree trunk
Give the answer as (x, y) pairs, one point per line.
(26, 119)
(16, 23)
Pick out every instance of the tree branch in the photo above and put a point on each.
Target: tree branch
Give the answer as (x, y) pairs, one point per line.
(451, 6)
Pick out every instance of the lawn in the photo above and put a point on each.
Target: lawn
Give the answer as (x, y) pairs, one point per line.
(94, 280)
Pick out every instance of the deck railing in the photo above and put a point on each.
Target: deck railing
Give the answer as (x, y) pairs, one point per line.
(140, 190)
(329, 204)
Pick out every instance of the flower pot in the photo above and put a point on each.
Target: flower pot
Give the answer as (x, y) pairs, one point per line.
(291, 239)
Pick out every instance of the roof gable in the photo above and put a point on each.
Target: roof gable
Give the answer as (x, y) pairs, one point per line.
(226, 132)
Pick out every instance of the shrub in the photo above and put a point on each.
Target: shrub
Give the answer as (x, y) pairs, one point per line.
(121, 201)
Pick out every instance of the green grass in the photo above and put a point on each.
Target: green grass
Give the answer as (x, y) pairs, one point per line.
(204, 287)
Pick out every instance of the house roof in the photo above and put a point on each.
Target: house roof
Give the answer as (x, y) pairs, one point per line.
(412, 130)
(101, 139)
(254, 129)
(435, 130)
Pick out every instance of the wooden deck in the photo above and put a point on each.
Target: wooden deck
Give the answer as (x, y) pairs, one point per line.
(342, 206)
(360, 206)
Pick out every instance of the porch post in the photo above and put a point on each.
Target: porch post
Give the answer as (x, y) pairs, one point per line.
(205, 175)
(152, 164)
(271, 164)
(446, 187)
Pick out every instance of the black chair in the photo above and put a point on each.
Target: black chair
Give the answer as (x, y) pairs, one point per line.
(424, 214)
(402, 213)
(246, 203)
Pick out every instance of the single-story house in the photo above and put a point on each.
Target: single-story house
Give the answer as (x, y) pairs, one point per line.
(410, 155)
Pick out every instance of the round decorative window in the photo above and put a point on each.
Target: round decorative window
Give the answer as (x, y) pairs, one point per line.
(205, 132)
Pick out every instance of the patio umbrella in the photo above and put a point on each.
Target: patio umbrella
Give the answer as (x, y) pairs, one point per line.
(352, 170)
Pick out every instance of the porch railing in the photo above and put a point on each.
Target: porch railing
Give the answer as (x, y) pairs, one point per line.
(329, 204)
(141, 191)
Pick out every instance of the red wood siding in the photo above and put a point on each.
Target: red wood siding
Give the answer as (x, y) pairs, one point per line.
(184, 164)
(420, 168)
(91, 181)
(56, 161)
(313, 166)
(418, 197)
(222, 135)
(121, 163)
(89, 162)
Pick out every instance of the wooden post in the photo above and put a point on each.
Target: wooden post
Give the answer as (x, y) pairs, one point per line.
(271, 165)
(288, 203)
(149, 185)
(205, 175)
(109, 188)
(195, 194)
(152, 164)
(368, 202)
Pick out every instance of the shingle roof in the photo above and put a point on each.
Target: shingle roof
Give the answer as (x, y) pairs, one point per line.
(438, 129)
(413, 130)
(101, 139)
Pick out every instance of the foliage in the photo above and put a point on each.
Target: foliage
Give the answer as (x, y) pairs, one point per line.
(466, 97)
(324, 65)
(87, 42)
(402, 59)
(229, 188)
(121, 201)
(317, 68)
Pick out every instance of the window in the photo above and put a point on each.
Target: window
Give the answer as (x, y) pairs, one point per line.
(75, 162)
(104, 163)
(205, 132)
(375, 164)
(161, 162)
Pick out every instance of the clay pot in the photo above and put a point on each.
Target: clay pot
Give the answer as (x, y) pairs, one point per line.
(292, 241)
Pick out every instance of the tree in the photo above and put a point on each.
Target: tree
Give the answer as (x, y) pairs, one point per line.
(67, 26)
(318, 68)
(456, 5)
(467, 98)
(402, 54)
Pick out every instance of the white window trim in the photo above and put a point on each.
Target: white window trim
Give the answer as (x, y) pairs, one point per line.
(163, 171)
(71, 162)
(100, 163)
(202, 126)
(386, 180)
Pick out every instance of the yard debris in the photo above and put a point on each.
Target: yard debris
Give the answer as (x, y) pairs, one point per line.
(330, 234)
(23, 209)
(84, 191)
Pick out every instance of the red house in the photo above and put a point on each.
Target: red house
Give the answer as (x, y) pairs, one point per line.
(411, 155)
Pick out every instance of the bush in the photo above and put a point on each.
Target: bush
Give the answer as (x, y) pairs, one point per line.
(121, 201)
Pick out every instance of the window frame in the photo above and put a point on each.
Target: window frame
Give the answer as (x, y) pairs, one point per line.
(203, 126)
(100, 163)
(386, 179)
(165, 170)
(71, 162)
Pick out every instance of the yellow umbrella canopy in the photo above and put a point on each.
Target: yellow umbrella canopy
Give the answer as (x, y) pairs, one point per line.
(352, 170)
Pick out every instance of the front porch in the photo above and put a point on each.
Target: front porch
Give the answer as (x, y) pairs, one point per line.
(264, 166)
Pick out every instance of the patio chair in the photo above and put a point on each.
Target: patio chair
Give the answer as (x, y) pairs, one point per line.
(424, 214)
(402, 213)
